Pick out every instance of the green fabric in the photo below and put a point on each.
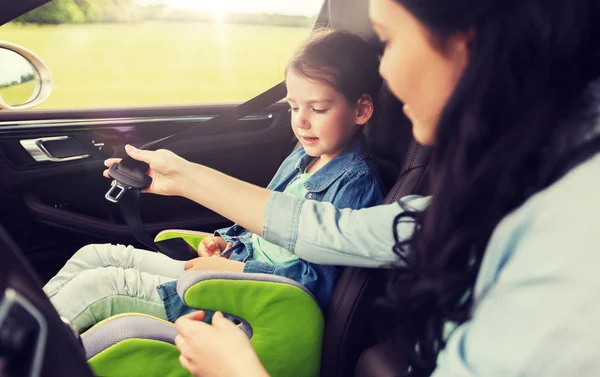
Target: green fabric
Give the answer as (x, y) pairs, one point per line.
(296, 187)
(286, 321)
(139, 357)
(267, 252)
(192, 238)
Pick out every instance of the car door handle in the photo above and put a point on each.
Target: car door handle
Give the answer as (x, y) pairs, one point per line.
(70, 149)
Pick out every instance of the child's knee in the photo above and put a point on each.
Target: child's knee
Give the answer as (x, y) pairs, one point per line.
(98, 282)
(102, 255)
(89, 252)
(97, 276)
(110, 281)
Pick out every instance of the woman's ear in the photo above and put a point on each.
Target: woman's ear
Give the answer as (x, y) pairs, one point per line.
(364, 109)
(460, 46)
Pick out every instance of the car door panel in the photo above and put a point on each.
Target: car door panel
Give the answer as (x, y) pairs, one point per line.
(64, 198)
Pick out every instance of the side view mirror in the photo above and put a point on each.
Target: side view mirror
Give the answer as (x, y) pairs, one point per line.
(25, 80)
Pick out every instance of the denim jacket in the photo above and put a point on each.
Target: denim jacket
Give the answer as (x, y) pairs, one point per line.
(350, 180)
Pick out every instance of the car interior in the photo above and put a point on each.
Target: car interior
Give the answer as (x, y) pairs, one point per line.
(51, 208)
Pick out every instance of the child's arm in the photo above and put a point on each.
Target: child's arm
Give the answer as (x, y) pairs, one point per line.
(214, 264)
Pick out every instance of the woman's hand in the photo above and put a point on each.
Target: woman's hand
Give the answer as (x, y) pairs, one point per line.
(217, 350)
(213, 264)
(173, 175)
(168, 171)
(213, 246)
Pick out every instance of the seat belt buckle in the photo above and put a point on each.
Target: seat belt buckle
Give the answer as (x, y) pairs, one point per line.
(125, 180)
(116, 192)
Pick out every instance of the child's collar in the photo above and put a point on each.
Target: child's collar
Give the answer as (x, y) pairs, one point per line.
(340, 164)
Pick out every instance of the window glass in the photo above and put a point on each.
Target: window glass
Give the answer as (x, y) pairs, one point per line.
(152, 52)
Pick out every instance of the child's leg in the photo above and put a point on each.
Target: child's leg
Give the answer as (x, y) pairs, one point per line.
(106, 255)
(96, 294)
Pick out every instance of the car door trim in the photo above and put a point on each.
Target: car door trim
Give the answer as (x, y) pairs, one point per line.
(119, 121)
(39, 152)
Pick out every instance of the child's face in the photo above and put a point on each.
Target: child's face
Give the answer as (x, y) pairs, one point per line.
(322, 118)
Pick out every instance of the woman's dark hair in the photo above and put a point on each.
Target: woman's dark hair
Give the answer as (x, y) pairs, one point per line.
(340, 59)
(515, 111)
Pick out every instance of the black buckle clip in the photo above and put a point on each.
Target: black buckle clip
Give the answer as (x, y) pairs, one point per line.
(124, 181)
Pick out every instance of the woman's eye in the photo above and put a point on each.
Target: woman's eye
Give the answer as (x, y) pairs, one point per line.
(320, 111)
(293, 109)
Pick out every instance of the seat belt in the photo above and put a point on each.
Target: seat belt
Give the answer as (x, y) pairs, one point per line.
(130, 176)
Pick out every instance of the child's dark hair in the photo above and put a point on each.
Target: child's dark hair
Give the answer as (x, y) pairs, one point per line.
(340, 59)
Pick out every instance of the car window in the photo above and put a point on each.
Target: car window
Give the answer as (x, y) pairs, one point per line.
(161, 52)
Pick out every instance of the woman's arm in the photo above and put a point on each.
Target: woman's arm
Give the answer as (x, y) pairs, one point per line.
(239, 201)
(217, 350)
(321, 233)
(316, 231)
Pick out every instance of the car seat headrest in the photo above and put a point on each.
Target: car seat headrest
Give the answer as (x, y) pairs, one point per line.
(353, 16)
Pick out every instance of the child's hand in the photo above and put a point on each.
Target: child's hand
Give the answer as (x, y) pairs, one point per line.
(212, 246)
(214, 264)
(166, 169)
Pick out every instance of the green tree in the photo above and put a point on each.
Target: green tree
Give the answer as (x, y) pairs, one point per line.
(56, 12)
(92, 10)
(80, 11)
(27, 77)
(110, 10)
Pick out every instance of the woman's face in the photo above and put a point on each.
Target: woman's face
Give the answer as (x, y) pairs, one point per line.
(419, 71)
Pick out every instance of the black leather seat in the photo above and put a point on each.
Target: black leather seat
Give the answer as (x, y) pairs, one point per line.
(348, 326)
(349, 322)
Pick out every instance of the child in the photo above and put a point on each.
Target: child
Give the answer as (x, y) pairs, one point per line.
(332, 82)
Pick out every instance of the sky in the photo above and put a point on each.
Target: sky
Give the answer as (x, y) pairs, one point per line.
(295, 7)
(12, 66)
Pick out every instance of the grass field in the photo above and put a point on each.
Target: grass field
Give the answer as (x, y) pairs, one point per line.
(157, 63)
(18, 94)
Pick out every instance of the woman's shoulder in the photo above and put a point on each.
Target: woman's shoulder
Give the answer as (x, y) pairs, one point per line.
(576, 194)
(557, 229)
(539, 276)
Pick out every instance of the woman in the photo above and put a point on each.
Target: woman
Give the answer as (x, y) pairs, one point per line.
(498, 275)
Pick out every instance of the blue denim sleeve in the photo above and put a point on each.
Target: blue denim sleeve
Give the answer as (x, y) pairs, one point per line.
(225, 233)
(321, 233)
(256, 267)
(318, 279)
(233, 233)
